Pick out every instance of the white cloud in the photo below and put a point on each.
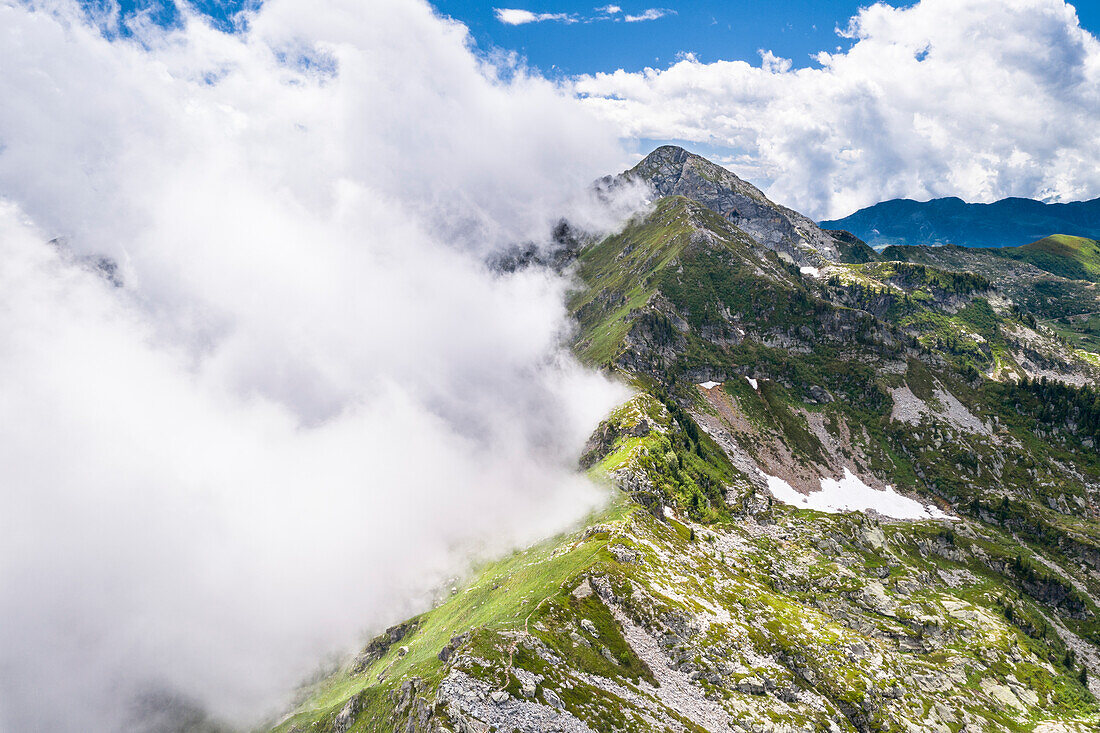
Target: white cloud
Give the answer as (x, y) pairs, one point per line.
(976, 98)
(651, 14)
(516, 16)
(310, 402)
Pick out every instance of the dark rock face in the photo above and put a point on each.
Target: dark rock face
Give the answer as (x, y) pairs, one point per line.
(380, 644)
(449, 650)
(673, 171)
(853, 250)
(101, 265)
(1057, 595)
(599, 444)
(565, 242)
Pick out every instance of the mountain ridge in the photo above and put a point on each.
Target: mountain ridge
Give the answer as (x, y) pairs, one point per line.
(672, 170)
(1012, 221)
(949, 578)
(1071, 257)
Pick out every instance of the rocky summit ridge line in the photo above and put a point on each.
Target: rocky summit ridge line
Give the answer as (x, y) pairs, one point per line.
(673, 171)
(851, 492)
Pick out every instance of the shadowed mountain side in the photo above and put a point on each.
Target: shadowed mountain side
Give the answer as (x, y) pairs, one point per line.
(1006, 223)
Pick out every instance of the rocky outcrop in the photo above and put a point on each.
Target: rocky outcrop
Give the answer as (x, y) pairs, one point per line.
(380, 644)
(472, 703)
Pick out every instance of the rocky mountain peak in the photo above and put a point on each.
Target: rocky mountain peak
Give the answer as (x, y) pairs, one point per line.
(668, 165)
(674, 171)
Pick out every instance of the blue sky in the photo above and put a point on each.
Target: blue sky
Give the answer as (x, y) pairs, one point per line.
(713, 31)
(164, 11)
(601, 41)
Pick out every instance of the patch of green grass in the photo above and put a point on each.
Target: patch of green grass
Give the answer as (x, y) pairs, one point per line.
(919, 379)
(626, 663)
(712, 282)
(618, 276)
(504, 595)
(981, 317)
(683, 464)
(1081, 331)
(1075, 258)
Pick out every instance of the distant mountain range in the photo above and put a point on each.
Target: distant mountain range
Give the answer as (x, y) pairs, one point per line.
(1006, 223)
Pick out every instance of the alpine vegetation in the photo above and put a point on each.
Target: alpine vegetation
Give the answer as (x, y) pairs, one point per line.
(853, 493)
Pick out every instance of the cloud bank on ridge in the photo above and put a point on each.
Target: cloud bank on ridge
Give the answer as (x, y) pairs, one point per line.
(309, 402)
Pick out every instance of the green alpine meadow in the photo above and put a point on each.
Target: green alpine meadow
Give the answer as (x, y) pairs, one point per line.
(852, 490)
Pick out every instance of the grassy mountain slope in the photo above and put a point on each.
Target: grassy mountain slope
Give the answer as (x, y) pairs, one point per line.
(697, 601)
(1074, 258)
(852, 249)
(1068, 307)
(775, 617)
(633, 275)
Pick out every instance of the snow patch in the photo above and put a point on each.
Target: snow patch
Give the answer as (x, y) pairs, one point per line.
(754, 383)
(709, 385)
(850, 494)
(811, 271)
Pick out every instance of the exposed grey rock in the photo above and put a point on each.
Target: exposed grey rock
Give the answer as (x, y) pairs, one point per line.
(346, 717)
(448, 651)
(476, 701)
(751, 686)
(380, 644)
(624, 554)
(603, 589)
(552, 698)
(673, 171)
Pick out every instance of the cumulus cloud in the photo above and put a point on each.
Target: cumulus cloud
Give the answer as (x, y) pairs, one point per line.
(609, 9)
(309, 401)
(976, 98)
(516, 16)
(650, 14)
